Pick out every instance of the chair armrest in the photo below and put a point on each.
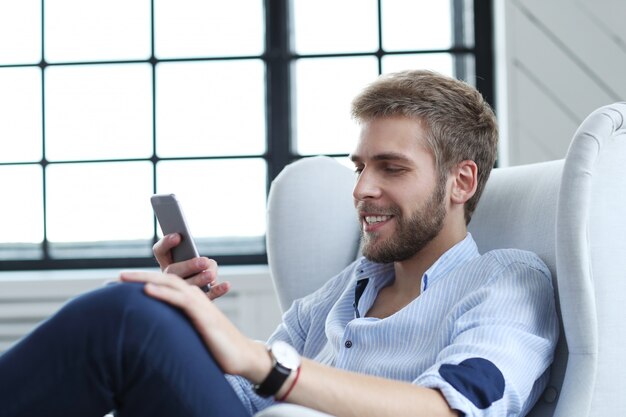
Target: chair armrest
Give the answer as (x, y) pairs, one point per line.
(290, 410)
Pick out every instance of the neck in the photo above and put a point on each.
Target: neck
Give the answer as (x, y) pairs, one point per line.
(407, 284)
(412, 269)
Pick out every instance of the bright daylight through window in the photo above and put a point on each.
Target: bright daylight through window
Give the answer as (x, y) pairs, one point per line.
(104, 103)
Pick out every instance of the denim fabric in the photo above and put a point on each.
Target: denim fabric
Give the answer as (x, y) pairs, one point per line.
(114, 349)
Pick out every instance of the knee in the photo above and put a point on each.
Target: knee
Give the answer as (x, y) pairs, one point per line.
(113, 303)
(110, 297)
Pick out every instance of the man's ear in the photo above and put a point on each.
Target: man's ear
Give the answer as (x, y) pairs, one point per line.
(464, 181)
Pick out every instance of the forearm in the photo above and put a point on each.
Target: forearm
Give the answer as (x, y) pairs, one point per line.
(345, 394)
(321, 387)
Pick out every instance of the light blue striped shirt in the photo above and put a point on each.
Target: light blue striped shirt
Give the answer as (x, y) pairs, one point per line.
(483, 330)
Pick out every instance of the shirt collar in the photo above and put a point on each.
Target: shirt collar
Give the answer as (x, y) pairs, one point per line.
(462, 252)
(381, 274)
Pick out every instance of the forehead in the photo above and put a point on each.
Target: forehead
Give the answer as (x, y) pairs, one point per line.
(393, 138)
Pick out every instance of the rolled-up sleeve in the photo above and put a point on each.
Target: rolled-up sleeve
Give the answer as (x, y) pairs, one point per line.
(502, 345)
(303, 328)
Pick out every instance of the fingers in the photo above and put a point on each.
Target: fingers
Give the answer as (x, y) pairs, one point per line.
(163, 249)
(174, 281)
(201, 272)
(227, 344)
(193, 277)
(166, 287)
(208, 280)
(193, 268)
(218, 290)
(185, 298)
(152, 277)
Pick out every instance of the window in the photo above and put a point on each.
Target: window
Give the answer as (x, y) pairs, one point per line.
(104, 103)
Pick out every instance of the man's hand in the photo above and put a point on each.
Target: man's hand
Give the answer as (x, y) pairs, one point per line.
(235, 353)
(197, 271)
(327, 389)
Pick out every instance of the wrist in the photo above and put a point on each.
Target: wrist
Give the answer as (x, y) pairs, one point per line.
(285, 360)
(261, 363)
(285, 391)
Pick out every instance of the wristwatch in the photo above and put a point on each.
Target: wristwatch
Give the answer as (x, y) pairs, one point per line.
(285, 359)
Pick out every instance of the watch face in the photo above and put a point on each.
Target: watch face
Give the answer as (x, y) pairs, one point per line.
(285, 354)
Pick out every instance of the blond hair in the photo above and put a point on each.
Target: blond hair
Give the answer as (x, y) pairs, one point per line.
(460, 124)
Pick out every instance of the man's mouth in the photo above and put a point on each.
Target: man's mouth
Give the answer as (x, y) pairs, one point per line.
(376, 219)
(375, 222)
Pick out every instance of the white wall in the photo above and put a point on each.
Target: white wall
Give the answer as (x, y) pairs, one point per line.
(557, 60)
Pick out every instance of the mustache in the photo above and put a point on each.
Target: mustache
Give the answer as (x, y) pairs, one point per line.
(373, 208)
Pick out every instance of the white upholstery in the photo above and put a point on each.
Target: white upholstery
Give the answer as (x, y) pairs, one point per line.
(570, 212)
(290, 410)
(311, 216)
(591, 260)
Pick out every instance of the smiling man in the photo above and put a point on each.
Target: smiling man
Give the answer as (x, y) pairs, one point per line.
(421, 325)
(399, 197)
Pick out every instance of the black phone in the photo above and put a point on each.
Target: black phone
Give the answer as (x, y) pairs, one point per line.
(170, 216)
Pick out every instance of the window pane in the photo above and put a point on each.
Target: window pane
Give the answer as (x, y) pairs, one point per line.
(193, 28)
(20, 31)
(442, 63)
(466, 68)
(334, 26)
(324, 89)
(78, 30)
(20, 114)
(99, 201)
(220, 198)
(465, 32)
(416, 24)
(21, 211)
(210, 108)
(98, 112)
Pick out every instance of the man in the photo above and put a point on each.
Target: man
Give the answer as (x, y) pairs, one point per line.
(422, 326)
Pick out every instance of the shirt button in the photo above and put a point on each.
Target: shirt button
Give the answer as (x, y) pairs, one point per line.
(348, 344)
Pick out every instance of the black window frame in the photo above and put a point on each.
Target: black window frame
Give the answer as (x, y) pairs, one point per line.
(278, 58)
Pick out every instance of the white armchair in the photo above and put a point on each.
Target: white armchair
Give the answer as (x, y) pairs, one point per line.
(570, 212)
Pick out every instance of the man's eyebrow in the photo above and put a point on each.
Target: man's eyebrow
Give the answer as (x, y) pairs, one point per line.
(387, 156)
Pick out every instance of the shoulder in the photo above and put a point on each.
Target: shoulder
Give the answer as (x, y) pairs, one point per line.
(501, 260)
(344, 281)
(333, 287)
(500, 270)
(307, 315)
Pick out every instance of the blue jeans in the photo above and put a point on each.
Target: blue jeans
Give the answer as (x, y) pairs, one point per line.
(115, 349)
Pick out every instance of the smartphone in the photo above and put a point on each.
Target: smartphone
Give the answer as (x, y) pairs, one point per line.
(172, 220)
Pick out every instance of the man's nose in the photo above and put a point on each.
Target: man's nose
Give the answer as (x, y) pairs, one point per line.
(366, 186)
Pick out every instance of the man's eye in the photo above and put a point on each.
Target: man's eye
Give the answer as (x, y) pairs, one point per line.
(393, 170)
(358, 170)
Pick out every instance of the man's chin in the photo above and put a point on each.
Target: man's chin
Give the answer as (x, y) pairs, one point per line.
(370, 253)
(386, 252)
(378, 255)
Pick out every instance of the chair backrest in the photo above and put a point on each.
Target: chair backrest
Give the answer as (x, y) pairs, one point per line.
(567, 211)
(591, 265)
(313, 231)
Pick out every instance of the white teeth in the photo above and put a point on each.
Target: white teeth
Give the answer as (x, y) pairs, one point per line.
(376, 219)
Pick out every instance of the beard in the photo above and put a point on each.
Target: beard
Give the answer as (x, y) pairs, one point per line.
(412, 234)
